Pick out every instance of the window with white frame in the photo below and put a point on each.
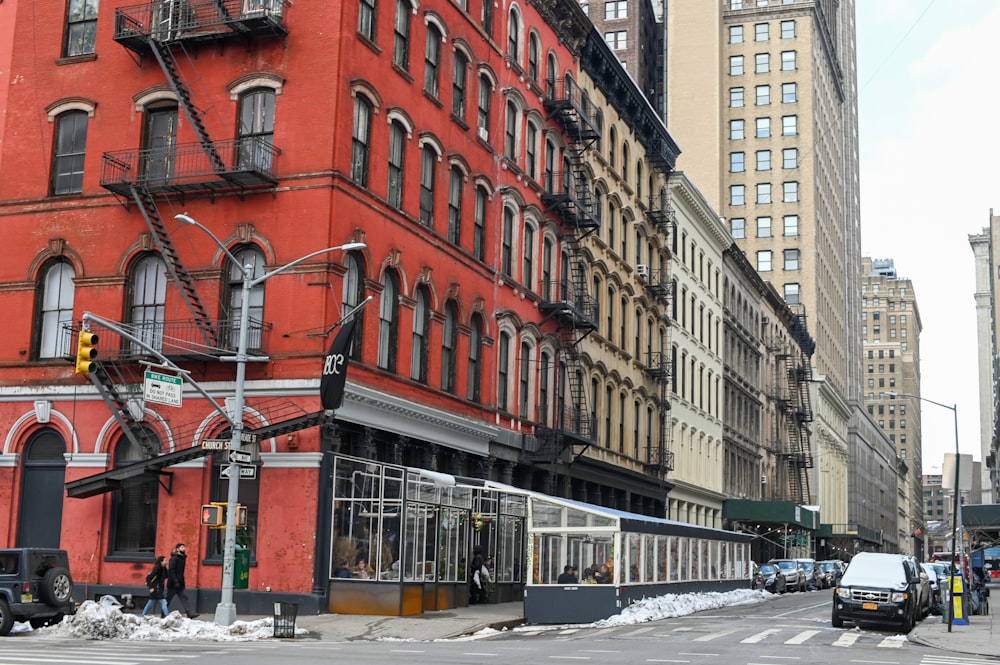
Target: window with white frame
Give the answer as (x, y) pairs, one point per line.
(763, 192)
(792, 294)
(762, 95)
(763, 160)
(736, 65)
(737, 195)
(764, 260)
(736, 97)
(788, 29)
(791, 192)
(787, 61)
(736, 130)
(736, 34)
(54, 308)
(789, 93)
(791, 259)
(763, 227)
(737, 226)
(763, 128)
(790, 158)
(736, 162)
(616, 39)
(791, 226)
(616, 9)
(789, 125)
(81, 28)
(762, 63)
(761, 32)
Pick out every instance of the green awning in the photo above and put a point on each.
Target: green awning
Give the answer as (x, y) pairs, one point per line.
(771, 512)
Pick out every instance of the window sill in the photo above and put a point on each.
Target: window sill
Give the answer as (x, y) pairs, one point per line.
(433, 99)
(369, 43)
(402, 72)
(74, 59)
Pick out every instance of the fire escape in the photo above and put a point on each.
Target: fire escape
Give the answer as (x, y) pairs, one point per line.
(165, 30)
(659, 457)
(566, 301)
(792, 398)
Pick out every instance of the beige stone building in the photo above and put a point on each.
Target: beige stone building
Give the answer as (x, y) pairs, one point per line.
(892, 329)
(987, 329)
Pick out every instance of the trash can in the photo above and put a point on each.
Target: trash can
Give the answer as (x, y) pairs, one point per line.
(241, 568)
(284, 619)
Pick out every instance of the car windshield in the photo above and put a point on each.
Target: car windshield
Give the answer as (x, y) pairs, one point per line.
(807, 566)
(768, 569)
(786, 565)
(826, 566)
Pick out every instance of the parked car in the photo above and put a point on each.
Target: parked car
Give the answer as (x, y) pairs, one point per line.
(771, 579)
(924, 593)
(795, 577)
(878, 588)
(35, 586)
(814, 579)
(935, 583)
(832, 571)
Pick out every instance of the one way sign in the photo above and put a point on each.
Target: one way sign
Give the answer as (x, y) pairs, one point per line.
(246, 472)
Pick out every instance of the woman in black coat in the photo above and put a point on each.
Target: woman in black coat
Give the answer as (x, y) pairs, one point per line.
(155, 581)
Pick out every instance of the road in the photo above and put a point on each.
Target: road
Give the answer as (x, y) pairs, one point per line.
(791, 630)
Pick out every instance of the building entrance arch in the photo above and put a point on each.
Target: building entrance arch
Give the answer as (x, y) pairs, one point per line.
(43, 475)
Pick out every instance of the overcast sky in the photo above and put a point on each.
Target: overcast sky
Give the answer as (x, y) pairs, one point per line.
(928, 98)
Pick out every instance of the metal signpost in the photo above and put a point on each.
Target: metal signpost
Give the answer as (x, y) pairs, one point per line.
(225, 611)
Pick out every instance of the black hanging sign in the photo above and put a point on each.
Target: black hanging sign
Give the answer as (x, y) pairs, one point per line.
(331, 384)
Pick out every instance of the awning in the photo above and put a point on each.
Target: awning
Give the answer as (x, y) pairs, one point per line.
(771, 512)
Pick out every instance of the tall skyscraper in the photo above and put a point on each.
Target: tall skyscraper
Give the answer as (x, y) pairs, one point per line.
(986, 256)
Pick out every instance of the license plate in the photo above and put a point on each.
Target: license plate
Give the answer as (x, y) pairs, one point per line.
(869, 606)
(26, 598)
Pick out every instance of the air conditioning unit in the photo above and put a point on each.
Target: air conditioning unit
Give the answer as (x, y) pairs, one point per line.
(484, 134)
(642, 270)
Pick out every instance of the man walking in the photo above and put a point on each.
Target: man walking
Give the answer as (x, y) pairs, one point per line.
(175, 578)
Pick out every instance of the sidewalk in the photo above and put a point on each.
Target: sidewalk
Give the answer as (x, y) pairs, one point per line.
(428, 626)
(978, 638)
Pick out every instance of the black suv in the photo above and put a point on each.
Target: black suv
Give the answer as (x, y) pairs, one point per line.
(878, 588)
(35, 586)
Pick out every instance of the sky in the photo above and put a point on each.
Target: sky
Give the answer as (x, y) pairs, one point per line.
(927, 91)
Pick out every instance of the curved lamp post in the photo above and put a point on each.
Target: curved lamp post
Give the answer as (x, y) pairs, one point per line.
(954, 517)
(225, 611)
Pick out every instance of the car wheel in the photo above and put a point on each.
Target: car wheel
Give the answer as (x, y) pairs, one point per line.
(57, 586)
(835, 620)
(6, 618)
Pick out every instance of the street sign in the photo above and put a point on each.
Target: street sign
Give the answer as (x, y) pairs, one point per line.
(241, 456)
(249, 437)
(162, 388)
(215, 444)
(246, 472)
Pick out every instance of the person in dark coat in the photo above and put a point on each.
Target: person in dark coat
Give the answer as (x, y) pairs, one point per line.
(176, 584)
(476, 592)
(156, 579)
(568, 576)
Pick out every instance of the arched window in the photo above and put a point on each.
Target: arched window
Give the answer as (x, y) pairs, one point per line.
(361, 140)
(53, 309)
(352, 296)
(550, 166)
(388, 332)
(421, 336)
(544, 386)
(68, 151)
(612, 141)
(503, 371)
(548, 253)
(483, 114)
(428, 168)
(528, 264)
(531, 150)
(432, 61)
(610, 304)
(550, 76)
(449, 344)
(625, 162)
(524, 381)
(148, 300)
(507, 243)
(134, 504)
(475, 359)
(460, 69)
(479, 225)
(534, 51)
(455, 181)
(514, 36)
(247, 255)
(397, 143)
(510, 132)
(255, 135)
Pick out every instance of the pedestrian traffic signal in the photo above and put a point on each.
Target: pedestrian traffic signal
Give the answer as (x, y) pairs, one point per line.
(86, 351)
(241, 516)
(213, 515)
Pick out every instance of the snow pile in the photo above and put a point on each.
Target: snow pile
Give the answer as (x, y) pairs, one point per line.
(678, 605)
(105, 620)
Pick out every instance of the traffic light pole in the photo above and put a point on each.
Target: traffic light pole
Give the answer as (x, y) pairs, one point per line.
(225, 611)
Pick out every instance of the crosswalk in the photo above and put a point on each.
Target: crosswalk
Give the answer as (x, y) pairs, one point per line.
(18, 651)
(790, 636)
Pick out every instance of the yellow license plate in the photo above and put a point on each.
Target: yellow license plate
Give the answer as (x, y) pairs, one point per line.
(26, 598)
(869, 606)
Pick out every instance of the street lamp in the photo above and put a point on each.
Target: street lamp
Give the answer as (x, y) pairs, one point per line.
(954, 517)
(225, 611)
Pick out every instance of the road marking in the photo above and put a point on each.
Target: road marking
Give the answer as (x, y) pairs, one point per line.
(639, 631)
(714, 636)
(664, 660)
(877, 662)
(406, 651)
(598, 651)
(479, 653)
(683, 629)
(847, 639)
(754, 639)
(691, 653)
(571, 657)
(802, 637)
(890, 643)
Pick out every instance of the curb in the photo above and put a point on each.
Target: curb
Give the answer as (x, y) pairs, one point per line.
(496, 625)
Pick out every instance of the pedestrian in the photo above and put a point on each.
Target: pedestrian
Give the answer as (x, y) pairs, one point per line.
(155, 581)
(176, 584)
(476, 593)
(568, 575)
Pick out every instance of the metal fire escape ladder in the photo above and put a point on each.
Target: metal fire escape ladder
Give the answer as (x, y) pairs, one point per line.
(799, 371)
(147, 204)
(118, 404)
(164, 55)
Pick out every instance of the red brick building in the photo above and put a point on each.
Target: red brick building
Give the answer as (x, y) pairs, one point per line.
(446, 136)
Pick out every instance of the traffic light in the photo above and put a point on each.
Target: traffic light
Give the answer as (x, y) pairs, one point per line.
(213, 515)
(86, 351)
